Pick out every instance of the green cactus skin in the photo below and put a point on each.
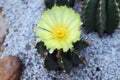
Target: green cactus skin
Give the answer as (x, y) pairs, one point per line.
(62, 61)
(89, 12)
(101, 15)
(51, 3)
(112, 16)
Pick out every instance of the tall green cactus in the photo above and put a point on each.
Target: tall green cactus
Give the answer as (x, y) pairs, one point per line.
(101, 15)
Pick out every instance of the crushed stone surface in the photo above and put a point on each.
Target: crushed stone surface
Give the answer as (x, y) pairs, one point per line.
(103, 55)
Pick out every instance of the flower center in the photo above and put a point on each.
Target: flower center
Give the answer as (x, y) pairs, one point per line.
(60, 33)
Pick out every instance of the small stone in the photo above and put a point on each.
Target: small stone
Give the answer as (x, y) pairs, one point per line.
(10, 68)
(97, 69)
(27, 47)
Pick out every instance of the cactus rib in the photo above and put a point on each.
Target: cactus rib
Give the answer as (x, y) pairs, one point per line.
(101, 15)
(112, 16)
(89, 12)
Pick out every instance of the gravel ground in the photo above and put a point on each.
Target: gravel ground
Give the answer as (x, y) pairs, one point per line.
(103, 55)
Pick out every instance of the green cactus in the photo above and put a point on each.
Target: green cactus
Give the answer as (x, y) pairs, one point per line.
(51, 3)
(101, 15)
(62, 61)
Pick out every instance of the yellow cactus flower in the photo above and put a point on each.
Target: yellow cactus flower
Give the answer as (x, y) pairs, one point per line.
(59, 28)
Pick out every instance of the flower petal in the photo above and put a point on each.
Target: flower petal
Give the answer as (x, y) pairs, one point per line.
(43, 25)
(59, 18)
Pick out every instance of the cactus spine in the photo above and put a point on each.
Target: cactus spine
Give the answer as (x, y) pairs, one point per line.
(101, 15)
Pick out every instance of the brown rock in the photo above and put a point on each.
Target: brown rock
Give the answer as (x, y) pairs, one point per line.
(3, 29)
(10, 68)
